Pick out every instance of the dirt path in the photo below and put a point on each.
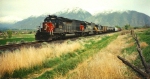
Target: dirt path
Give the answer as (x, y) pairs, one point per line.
(105, 64)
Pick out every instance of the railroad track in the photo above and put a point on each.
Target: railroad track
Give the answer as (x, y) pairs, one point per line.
(38, 43)
(17, 46)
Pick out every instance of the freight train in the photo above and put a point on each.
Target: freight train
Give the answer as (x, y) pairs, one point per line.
(55, 27)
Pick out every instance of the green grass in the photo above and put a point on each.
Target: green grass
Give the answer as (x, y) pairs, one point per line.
(61, 65)
(143, 37)
(4, 41)
(71, 62)
(129, 50)
(23, 36)
(18, 38)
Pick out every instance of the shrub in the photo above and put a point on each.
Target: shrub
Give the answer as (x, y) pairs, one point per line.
(9, 33)
(4, 35)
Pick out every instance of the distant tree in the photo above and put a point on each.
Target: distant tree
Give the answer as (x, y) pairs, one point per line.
(127, 26)
(9, 33)
(136, 27)
(30, 32)
(4, 35)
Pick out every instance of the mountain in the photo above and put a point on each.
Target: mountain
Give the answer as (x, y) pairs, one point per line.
(74, 13)
(120, 18)
(29, 23)
(109, 18)
(34, 22)
(4, 26)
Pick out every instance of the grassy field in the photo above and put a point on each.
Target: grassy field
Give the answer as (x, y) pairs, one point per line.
(18, 39)
(130, 52)
(66, 60)
(25, 61)
(104, 65)
(54, 56)
(72, 62)
(144, 37)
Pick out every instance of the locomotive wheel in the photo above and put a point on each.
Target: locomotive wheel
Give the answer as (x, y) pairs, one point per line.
(63, 36)
(82, 33)
(77, 34)
(87, 33)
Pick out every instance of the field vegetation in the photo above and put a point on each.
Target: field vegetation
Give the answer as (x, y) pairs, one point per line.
(16, 39)
(104, 64)
(21, 62)
(86, 58)
(57, 57)
(144, 38)
(131, 53)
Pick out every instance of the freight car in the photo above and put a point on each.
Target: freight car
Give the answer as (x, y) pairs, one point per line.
(55, 27)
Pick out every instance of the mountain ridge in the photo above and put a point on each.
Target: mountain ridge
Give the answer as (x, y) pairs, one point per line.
(131, 17)
(75, 13)
(110, 18)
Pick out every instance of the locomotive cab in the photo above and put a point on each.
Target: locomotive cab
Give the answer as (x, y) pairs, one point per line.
(44, 33)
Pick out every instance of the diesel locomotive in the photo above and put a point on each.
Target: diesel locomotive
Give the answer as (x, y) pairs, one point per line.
(55, 27)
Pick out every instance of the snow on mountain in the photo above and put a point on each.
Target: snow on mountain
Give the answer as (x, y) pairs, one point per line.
(71, 10)
(120, 18)
(110, 18)
(74, 13)
(110, 11)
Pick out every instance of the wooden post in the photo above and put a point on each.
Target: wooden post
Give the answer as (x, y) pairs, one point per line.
(147, 70)
(145, 74)
(133, 67)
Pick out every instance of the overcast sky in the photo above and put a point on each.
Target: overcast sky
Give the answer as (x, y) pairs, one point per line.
(14, 10)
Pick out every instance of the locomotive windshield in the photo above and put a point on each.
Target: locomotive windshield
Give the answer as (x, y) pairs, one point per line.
(50, 19)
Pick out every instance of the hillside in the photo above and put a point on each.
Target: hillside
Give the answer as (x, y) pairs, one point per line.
(4, 26)
(29, 23)
(133, 18)
(114, 18)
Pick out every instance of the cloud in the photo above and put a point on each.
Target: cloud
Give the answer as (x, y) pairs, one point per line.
(25, 8)
(9, 19)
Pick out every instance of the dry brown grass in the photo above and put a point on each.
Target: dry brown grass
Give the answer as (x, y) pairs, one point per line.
(103, 67)
(29, 57)
(131, 57)
(143, 44)
(105, 64)
(131, 44)
(125, 32)
(140, 30)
